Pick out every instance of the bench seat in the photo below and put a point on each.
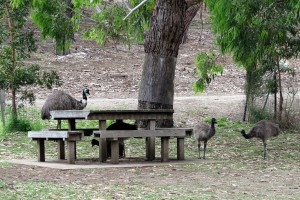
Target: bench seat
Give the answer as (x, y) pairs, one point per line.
(164, 133)
(60, 136)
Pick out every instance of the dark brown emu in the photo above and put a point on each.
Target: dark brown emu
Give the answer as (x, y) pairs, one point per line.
(119, 125)
(203, 132)
(263, 129)
(60, 100)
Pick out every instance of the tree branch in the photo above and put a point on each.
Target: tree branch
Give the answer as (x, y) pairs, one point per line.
(135, 8)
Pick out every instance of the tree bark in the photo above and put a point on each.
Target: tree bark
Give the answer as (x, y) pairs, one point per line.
(161, 50)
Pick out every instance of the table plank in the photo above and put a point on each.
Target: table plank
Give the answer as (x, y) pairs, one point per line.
(112, 114)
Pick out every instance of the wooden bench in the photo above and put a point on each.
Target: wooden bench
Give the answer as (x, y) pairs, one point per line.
(60, 136)
(164, 133)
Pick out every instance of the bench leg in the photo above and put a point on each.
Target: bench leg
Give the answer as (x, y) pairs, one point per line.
(71, 152)
(180, 148)
(41, 149)
(102, 150)
(102, 143)
(150, 142)
(164, 149)
(150, 148)
(61, 149)
(115, 151)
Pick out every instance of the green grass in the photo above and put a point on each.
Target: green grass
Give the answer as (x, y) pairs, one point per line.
(228, 151)
(43, 189)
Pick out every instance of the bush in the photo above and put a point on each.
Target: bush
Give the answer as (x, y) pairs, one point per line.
(257, 114)
(13, 124)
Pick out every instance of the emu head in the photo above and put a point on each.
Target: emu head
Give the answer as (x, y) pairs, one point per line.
(213, 121)
(85, 91)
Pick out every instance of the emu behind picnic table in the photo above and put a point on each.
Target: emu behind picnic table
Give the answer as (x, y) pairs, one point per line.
(72, 135)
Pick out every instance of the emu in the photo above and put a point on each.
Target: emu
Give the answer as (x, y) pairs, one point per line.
(203, 132)
(264, 130)
(119, 125)
(60, 100)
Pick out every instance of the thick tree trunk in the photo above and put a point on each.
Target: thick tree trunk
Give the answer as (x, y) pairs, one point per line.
(161, 47)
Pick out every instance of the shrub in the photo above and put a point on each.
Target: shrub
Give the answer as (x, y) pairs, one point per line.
(256, 114)
(13, 124)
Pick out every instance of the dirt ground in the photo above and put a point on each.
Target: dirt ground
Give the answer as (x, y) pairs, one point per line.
(113, 77)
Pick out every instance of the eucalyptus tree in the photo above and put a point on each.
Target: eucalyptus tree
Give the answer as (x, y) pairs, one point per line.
(161, 25)
(258, 34)
(16, 44)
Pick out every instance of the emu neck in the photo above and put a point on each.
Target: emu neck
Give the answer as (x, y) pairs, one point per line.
(212, 128)
(84, 96)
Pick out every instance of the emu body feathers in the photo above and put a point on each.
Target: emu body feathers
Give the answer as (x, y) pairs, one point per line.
(263, 129)
(203, 132)
(60, 100)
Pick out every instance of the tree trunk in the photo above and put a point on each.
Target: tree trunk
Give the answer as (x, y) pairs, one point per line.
(2, 105)
(161, 49)
(14, 105)
(280, 93)
(275, 95)
(189, 16)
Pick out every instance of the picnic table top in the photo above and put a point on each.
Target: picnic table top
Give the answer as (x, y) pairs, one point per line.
(112, 114)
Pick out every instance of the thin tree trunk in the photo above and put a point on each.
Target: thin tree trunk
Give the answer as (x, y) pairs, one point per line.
(275, 94)
(2, 105)
(280, 93)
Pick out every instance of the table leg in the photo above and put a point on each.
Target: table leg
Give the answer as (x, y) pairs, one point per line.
(150, 143)
(71, 152)
(41, 149)
(165, 149)
(61, 149)
(180, 148)
(115, 151)
(102, 143)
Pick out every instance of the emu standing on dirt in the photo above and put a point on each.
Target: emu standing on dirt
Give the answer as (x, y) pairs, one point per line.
(263, 129)
(203, 132)
(60, 100)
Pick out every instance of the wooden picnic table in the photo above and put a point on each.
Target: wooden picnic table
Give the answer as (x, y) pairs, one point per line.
(102, 116)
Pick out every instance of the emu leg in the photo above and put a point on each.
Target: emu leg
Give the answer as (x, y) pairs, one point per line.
(204, 149)
(58, 124)
(199, 150)
(265, 150)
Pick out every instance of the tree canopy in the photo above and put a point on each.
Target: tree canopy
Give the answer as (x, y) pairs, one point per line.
(16, 44)
(258, 35)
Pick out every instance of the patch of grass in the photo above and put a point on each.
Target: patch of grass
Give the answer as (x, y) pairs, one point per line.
(43, 189)
(6, 164)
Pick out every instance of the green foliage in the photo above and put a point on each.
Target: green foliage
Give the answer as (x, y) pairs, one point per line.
(17, 125)
(111, 26)
(221, 121)
(258, 34)
(55, 20)
(207, 69)
(17, 43)
(256, 114)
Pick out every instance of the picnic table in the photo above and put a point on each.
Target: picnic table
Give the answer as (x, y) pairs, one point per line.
(73, 135)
